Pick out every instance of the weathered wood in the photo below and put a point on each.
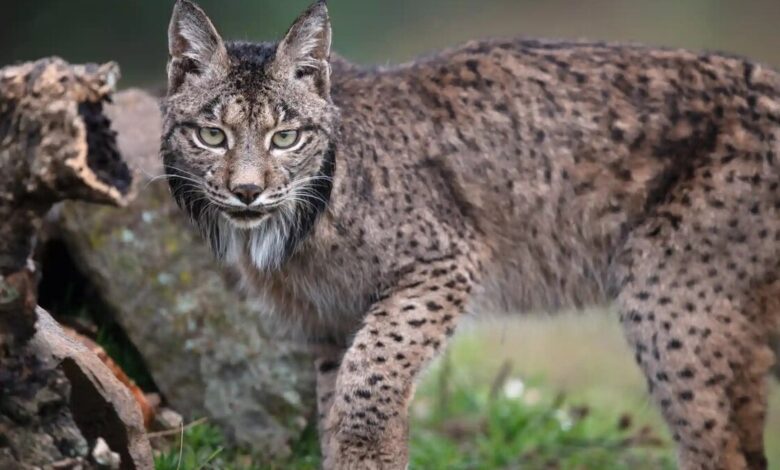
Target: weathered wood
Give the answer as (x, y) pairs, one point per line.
(56, 399)
(55, 144)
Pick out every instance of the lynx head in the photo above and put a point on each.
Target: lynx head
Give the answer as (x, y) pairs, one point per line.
(248, 144)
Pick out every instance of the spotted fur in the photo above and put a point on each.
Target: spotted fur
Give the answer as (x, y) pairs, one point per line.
(502, 175)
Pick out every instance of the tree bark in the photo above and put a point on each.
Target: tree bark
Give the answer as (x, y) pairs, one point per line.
(55, 144)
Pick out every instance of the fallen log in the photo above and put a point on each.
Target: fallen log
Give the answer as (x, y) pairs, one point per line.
(55, 144)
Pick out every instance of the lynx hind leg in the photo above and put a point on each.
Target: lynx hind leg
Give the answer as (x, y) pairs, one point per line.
(699, 327)
(749, 391)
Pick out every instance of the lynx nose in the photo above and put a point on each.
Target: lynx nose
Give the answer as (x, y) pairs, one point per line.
(247, 193)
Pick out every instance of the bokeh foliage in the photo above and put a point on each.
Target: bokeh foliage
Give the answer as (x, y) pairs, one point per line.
(133, 32)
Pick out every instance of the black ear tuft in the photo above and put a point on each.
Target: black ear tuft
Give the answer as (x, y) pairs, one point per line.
(194, 45)
(304, 53)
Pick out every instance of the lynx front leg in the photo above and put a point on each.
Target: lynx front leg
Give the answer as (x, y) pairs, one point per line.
(367, 422)
(326, 368)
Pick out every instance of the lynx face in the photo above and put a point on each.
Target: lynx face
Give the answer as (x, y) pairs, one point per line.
(248, 144)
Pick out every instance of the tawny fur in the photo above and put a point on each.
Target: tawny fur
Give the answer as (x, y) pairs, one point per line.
(503, 175)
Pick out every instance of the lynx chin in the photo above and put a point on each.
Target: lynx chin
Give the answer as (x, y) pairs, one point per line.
(371, 208)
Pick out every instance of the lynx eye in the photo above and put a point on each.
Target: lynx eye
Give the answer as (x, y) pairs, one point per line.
(284, 139)
(211, 136)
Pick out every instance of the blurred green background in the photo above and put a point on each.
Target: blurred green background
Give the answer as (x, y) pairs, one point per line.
(133, 32)
(582, 356)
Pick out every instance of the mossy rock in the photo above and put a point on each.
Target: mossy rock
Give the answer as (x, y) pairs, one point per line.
(209, 351)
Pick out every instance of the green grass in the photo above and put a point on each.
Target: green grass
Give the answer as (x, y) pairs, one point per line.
(458, 427)
(511, 423)
(474, 410)
(205, 448)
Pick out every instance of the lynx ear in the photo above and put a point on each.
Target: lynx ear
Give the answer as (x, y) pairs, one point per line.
(304, 53)
(194, 45)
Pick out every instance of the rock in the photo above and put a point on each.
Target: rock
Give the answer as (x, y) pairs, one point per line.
(104, 457)
(167, 419)
(208, 350)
